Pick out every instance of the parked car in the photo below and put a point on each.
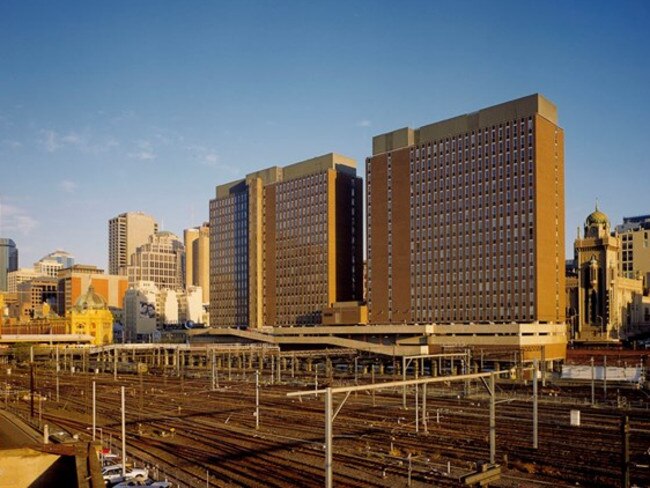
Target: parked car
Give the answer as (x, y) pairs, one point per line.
(149, 483)
(113, 474)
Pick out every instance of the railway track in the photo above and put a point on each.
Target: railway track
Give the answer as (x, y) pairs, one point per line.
(214, 431)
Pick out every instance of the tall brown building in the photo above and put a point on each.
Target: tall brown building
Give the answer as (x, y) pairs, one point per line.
(466, 218)
(285, 243)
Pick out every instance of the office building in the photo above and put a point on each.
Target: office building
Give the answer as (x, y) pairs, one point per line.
(197, 258)
(126, 233)
(634, 254)
(21, 275)
(8, 261)
(75, 280)
(285, 242)
(160, 260)
(465, 219)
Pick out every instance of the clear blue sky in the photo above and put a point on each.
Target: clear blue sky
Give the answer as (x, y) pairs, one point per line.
(114, 106)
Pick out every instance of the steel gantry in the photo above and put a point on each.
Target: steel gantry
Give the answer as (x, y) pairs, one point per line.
(464, 357)
(487, 378)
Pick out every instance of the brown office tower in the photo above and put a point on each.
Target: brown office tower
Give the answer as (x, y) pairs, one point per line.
(466, 219)
(285, 243)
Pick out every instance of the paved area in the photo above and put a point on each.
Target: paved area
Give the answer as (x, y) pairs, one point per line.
(14, 433)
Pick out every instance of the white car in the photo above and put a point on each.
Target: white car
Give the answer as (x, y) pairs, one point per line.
(149, 483)
(113, 474)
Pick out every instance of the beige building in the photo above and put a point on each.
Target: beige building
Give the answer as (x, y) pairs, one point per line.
(197, 258)
(126, 233)
(21, 275)
(609, 304)
(634, 253)
(286, 242)
(465, 219)
(160, 260)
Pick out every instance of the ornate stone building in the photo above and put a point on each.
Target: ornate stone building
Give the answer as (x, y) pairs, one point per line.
(605, 299)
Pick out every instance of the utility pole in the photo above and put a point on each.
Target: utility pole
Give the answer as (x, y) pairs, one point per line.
(535, 367)
(625, 454)
(58, 368)
(424, 409)
(328, 437)
(257, 400)
(605, 377)
(493, 424)
(593, 383)
(123, 436)
(31, 379)
(94, 409)
(214, 370)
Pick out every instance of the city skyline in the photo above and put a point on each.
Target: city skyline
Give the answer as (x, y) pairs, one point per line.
(152, 110)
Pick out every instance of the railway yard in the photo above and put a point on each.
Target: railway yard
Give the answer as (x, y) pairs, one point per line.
(196, 424)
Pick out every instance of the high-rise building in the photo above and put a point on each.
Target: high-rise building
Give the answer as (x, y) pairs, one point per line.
(197, 258)
(634, 254)
(126, 233)
(160, 260)
(465, 219)
(285, 243)
(8, 260)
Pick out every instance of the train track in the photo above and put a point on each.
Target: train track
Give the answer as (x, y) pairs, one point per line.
(214, 431)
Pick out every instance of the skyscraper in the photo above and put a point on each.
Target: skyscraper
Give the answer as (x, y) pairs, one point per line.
(285, 243)
(126, 233)
(197, 259)
(8, 260)
(466, 218)
(160, 260)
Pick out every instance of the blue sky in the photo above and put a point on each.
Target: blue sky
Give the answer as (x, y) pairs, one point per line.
(107, 107)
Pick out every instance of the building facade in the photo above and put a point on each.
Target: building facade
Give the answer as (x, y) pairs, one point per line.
(608, 305)
(90, 316)
(126, 233)
(34, 294)
(465, 219)
(160, 260)
(141, 311)
(286, 243)
(634, 254)
(21, 275)
(73, 281)
(197, 258)
(8, 261)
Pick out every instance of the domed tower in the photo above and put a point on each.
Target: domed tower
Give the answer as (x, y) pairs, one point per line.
(597, 224)
(91, 316)
(596, 257)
